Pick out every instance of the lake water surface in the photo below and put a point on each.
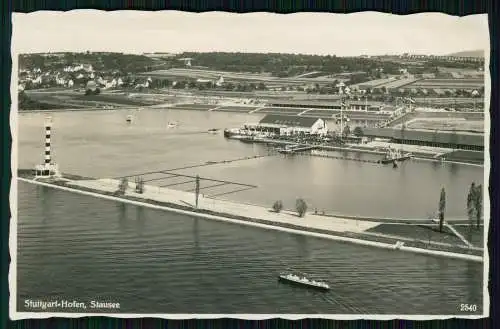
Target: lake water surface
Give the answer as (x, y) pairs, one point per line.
(77, 247)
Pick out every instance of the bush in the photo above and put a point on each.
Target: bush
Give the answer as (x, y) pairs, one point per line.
(358, 131)
(301, 207)
(278, 206)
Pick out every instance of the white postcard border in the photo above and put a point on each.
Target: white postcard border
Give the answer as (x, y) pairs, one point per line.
(12, 276)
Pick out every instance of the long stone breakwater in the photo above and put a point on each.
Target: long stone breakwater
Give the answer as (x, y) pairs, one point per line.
(327, 227)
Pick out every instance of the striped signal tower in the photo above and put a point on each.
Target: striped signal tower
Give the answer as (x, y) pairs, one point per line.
(48, 168)
(48, 127)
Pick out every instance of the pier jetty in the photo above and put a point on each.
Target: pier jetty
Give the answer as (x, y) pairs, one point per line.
(327, 227)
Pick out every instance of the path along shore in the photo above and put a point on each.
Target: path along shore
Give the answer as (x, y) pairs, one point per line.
(333, 228)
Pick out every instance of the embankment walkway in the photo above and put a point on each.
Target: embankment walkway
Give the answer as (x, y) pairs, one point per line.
(181, 198)
(340, 229)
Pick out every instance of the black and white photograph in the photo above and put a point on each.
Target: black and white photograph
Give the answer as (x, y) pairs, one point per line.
(205, 165)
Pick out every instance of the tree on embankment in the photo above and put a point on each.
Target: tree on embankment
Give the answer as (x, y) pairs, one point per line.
(471, 209)
(139, 185)
(122, 187)
(478, 204)
(301, 207)
(442, 208)
(475, 204)
(278, 206)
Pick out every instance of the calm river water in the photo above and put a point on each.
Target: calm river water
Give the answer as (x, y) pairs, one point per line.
(149, 261)
(101, 144)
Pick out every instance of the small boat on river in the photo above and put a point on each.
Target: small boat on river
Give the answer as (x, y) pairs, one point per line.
(289, 149)
(234, 133)
(302, 280)
(213, 131)
(393, 156)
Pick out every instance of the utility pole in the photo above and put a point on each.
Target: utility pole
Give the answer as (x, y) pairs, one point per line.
(197, 189)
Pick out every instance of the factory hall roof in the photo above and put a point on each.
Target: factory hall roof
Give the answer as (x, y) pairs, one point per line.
(289, 120)
(323, 102)
(427, 136)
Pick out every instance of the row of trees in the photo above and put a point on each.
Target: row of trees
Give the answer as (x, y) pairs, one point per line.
(288, 65)
(281, 65)
(300, 207)
(474, 206)
(100, 61)
(124, 185)
(377, 94)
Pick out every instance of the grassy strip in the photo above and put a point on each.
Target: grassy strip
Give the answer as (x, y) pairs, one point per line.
(383, 220)
(421, 232)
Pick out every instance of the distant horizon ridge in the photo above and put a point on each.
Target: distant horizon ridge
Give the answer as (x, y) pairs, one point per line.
(463, 53)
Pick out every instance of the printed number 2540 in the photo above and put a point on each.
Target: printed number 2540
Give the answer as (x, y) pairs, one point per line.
(468, 307)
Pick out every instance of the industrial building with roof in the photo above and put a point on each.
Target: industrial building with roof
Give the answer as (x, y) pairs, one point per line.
(292, 125)
(453, 140)
(323, 104)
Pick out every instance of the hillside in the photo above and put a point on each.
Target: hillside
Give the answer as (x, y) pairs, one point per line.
(275, 64)
(469, 53)
(125, 63)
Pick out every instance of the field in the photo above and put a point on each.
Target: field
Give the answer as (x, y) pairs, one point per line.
(398, 83)
(321, 113)
(184, 73)
(448, 84)
(116, 99)
(244, 109)
(462, 72)
(452, 115)
(71, 98)
(201, 107)
(449, 124)
(281, 110)
(374, 83)
(447, 100)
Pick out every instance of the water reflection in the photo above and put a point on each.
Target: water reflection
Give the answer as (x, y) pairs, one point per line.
(196, 234)
(44, 195)
(122, 216)
(442, 263)
(46, 202)
(302, 246)
(140, 220)
(472, 289)
(454, 168)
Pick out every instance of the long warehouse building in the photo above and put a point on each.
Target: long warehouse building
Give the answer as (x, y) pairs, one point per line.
(453, 140)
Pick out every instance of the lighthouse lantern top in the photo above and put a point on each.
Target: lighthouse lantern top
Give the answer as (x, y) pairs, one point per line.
(48, 121)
